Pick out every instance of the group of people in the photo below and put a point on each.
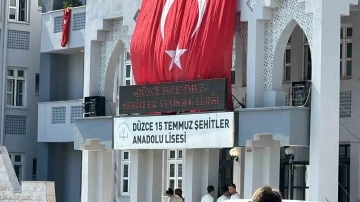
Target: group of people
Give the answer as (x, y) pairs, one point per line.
(263, 194)
(228, 193)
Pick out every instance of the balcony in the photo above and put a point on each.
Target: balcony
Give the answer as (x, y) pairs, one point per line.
(51, 32)
(290, 125)
(56, 120)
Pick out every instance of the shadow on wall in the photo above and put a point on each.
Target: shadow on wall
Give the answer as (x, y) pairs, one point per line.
(10, 188)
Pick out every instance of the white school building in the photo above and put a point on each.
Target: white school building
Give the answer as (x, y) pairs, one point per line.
(295, 69)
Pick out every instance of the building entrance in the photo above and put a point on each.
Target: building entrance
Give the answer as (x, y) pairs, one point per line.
(225, 169)
(298, 189)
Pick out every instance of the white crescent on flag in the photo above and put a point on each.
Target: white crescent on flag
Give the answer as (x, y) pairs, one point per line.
(202, 8)
(165, 12)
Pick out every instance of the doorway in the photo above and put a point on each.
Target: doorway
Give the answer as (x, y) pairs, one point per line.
(225, 169)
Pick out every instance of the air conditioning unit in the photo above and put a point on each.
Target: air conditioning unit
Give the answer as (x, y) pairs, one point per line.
(94, 106)
(301, 94)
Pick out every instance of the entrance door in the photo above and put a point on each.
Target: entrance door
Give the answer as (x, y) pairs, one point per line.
(225, 169)
(299, 186)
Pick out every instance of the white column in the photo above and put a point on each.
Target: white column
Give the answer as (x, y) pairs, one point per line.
(138, 176)
(97, 176)
(262, 163)
(201, 170)
(146, 176)
(238, 171)
(324, 130)
(91, 65)
(255, 63)
(192, 175)
(210, 170)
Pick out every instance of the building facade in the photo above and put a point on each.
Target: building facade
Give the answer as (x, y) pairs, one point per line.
(60, 99)
(20, 61)
(276, 44)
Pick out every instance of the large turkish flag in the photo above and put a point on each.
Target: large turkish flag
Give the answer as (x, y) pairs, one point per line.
(182, 40)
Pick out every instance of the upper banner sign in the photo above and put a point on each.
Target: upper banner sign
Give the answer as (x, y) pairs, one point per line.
(172, 97)
(191, 131)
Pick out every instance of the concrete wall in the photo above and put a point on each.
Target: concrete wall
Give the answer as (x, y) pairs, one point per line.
(65, 168)
(30, 60)
(63, 77)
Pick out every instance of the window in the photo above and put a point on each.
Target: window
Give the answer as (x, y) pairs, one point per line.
(175, 168)
(346, 52)
(344, 173)
(287, 62)
(15, 90)
(125, 172)
(233, 77)
(18, 10)
(128, 74)
(307, 60)
(34, 169)
(17, 160)
(37, 83)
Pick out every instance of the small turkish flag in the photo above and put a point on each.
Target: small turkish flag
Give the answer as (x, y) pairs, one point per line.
(66, 26)
(182, 40)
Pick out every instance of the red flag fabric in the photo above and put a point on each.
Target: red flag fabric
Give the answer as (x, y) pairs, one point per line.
(66, 27)
(182, 40)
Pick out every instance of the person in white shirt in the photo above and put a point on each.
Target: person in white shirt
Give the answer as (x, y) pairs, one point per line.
(225, 196)
(172, 197)
(208, 197)
(232, 191)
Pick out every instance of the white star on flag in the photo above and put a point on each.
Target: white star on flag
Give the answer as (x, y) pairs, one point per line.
(175, 57)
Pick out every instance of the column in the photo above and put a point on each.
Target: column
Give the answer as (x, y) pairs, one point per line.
(201, 170)
(262, 163)
(97, 176)
(238, 172)
(210, 169)
(91, 64)
(146, 176)
(192, 175)
(324, 130)
(255, 63)
(97, 173)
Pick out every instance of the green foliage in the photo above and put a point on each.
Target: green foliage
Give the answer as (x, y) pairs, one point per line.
(72, 3)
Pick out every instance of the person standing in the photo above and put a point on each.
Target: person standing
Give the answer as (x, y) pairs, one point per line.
(178, 192)
(225, 194)
(172, 197)
(232, 191)
(208, 197)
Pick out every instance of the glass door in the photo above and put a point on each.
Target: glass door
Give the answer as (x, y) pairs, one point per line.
(225, 169)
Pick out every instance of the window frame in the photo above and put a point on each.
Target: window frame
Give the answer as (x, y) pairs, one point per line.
(175, 161)
(15, 78)
(287, 65)
(17, 10)
(305, 52)
(22, 164)
(37, 83)
(344, 41)
(233, 64)
(123, 163)
(127, 62)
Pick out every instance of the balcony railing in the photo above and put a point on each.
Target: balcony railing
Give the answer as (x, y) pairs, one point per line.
(51, 32)
(56, 120)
